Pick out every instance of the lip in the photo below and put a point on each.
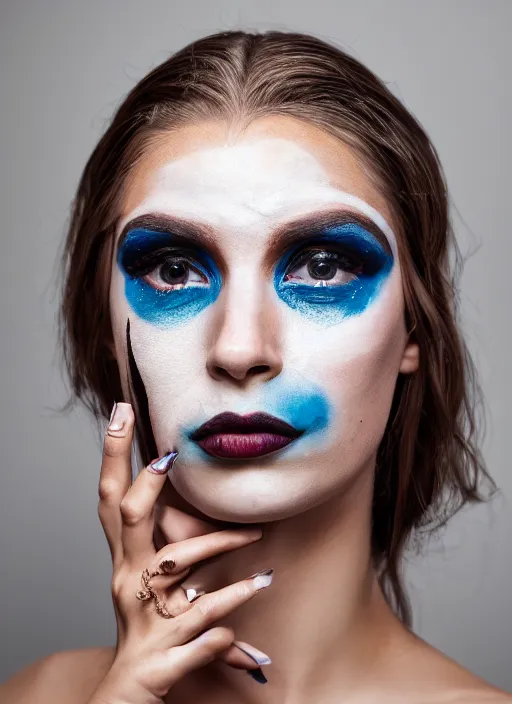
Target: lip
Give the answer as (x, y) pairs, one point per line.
(232, 436)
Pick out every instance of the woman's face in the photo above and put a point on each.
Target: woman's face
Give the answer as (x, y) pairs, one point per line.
(256, 275)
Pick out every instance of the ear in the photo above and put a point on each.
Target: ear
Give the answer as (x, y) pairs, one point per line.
(410, 358)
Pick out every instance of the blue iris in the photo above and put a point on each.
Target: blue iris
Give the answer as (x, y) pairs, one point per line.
(329, 304)
(144, 250)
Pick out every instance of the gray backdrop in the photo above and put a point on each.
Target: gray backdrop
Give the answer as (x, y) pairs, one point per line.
(64, 68)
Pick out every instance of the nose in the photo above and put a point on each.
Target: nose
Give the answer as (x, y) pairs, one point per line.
(245, 343)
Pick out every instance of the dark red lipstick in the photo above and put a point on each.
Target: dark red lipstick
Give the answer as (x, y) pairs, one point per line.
(232, 436)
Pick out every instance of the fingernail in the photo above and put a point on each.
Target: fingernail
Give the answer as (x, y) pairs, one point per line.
(259, 657)
(119, 419)
(167, 566)
(163, 464)
(262, 579)
(193, 594)
(257, 675)
(112, 414)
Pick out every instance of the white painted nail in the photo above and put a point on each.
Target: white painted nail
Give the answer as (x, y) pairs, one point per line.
(259, 657)
(263, 579)
(119, 419)
(112, 414)
(193, 594)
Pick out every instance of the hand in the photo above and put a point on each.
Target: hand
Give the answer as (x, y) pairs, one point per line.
(154, 651)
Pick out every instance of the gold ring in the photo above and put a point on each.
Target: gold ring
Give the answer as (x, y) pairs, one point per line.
(148, 593)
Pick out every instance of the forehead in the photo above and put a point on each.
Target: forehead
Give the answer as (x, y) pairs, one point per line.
(275, 168)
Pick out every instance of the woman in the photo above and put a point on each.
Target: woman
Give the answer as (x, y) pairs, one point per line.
(258, 282)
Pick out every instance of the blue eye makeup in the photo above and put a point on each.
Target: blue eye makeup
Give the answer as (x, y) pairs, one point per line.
(166, 282)
(335, 275)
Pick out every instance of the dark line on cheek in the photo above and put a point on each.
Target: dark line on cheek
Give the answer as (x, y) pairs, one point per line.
(138, 391)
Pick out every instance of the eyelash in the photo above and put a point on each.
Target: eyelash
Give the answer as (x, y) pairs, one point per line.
(348, 262)
(147, 254)
(145, 266)
(176, 260)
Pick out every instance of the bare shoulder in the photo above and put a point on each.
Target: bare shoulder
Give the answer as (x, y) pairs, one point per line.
(481, 695)
(461, 686)
(425, 675)
(70, 676)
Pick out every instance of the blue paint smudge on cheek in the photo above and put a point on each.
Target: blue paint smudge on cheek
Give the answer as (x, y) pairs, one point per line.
(306, 407)
(294, 400)
(307, 412)
(170, 307)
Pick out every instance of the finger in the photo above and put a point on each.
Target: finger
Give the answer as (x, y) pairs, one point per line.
(244, 656)
(138, 507)
(202, 650)
(189, 656)
(178, 556)
(217, 605)
(240, 655)
(176, 525)
(115, 475)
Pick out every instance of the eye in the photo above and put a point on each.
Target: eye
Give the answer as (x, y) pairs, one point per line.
(322, 267)
(175, 273)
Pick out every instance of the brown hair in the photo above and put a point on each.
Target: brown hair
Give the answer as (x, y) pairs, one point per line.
(428, 464)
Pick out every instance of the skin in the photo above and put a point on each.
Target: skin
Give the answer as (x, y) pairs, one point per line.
(242, 352)
(314, 503)
(324, 621)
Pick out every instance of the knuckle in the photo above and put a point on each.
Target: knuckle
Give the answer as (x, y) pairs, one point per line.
(118, 586)
(130, 512)
(108, 491)
(229, 633)
(114, 447)
(226, 634)
(225, 637)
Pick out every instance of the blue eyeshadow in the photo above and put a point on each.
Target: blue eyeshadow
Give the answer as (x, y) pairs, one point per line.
(163, 308)
(329, 305)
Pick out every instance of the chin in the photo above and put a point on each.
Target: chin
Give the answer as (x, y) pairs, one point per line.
(257, 496)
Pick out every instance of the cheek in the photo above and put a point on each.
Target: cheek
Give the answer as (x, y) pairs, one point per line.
(168, 364)
(354, 365)
(167, 358)
(356, 362)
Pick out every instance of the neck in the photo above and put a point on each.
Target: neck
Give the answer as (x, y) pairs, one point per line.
(323, 621)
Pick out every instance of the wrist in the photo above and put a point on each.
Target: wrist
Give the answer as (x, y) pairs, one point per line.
(113, 690)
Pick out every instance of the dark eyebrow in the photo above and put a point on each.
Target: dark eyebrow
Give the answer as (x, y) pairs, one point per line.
(284, 236)
(182, 229)
(305, 227)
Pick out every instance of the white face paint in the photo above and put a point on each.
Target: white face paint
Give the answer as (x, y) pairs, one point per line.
(256, 327)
